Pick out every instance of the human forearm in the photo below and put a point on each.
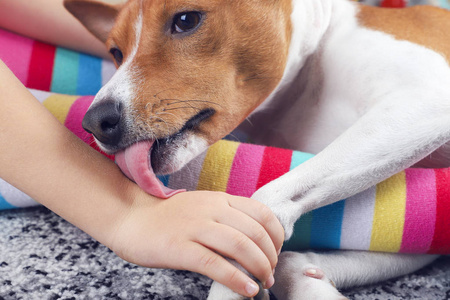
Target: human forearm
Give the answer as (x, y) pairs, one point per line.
(45, 160)
(48, 21)
(187, 231)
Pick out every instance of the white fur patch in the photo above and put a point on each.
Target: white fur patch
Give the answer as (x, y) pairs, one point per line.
(306, 15)
(188, 149)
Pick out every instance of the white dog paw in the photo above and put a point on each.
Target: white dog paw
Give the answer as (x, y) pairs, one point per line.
(310, 282)
(221, 292)
(279, 201)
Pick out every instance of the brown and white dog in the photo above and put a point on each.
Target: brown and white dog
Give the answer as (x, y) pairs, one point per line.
(366, 89)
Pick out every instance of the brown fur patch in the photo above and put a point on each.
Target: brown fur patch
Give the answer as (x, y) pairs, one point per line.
(123, 33)
(424, 25)
(231, 63)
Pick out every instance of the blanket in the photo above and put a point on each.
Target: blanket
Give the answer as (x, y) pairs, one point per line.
(406, 213)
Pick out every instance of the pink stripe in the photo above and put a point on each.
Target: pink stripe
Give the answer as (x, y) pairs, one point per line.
(420, 216)
(75, 117)
(15, 52)
(245, 170)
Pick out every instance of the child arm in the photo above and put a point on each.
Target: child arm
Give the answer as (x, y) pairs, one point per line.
(49, 21)
(46, 161)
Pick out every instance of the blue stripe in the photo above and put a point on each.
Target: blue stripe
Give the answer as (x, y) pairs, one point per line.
(89, 75)
(298, 158)
(65, 72)
(301, 238)
(444, 4)
(4, 204)
(326, 226)
(164, 179)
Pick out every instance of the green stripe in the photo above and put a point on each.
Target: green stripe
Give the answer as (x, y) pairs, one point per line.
(65, 72)
(302, 228)
(301, 238)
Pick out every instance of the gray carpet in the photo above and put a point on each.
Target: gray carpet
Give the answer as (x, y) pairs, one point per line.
(44, 257)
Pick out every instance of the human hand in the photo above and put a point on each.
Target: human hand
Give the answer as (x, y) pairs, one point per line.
(192, 230)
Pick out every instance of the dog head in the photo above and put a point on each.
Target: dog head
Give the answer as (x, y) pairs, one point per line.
(189, 72)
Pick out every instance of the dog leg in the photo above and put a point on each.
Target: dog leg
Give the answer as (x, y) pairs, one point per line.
(392, 136)
(310, 275)
(319, 275)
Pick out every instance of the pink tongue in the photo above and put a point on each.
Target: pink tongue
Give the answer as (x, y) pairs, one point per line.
(134, 162)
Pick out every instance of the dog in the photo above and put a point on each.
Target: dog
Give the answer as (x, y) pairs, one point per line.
(364, 88)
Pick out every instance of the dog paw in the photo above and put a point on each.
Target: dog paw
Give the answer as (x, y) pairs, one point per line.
(310, 282)
(221, 292)
(279, 201)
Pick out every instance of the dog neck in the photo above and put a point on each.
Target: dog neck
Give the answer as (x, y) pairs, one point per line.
(313, 22)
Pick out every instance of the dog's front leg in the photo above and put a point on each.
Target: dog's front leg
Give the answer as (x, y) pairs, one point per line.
(393, 135)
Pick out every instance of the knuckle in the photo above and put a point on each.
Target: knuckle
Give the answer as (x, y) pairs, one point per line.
(260, 236)
(208, 261)
(266, 215)
(241, 242)
(234, 276)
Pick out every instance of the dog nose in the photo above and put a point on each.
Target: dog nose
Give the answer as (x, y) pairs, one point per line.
(104, 122)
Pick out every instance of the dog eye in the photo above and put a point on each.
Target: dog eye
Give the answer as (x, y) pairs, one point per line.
(186, 21)
(117, 54)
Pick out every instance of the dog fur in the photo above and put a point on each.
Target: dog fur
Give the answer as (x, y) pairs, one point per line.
(364, 88)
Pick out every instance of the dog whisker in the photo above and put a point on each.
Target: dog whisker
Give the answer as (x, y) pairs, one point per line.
(235, 137)
(182, 107)
(249, 121)
(164, 121)
(183, 102)
(157, 94)
(259, 78)
(190, 100)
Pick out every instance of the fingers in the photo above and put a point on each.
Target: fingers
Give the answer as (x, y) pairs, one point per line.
(255, 231)
(263, 215)
(199, 259)
(237, 245)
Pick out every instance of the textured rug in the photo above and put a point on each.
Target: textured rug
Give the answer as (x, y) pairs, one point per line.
(44, 257)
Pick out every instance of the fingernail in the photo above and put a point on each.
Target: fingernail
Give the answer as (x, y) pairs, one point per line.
(269, 282)
(251, 288)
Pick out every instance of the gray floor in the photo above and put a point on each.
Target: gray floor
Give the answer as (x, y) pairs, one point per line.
(44, 257)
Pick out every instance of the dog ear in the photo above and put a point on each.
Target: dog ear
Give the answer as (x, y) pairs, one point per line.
(97, 17)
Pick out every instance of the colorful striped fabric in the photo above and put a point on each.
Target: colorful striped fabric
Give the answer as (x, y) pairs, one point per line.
(48, 68)
(406, 213)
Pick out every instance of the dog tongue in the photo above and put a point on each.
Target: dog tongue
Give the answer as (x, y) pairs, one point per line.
(134, 162)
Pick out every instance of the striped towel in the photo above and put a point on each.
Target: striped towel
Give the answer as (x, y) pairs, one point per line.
(406, 213)
(45, 67)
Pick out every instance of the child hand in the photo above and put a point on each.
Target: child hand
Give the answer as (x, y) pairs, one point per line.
(192, 230)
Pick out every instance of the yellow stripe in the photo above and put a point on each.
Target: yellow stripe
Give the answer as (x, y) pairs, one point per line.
(59, 105)
(389, 214)
(217, 166)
